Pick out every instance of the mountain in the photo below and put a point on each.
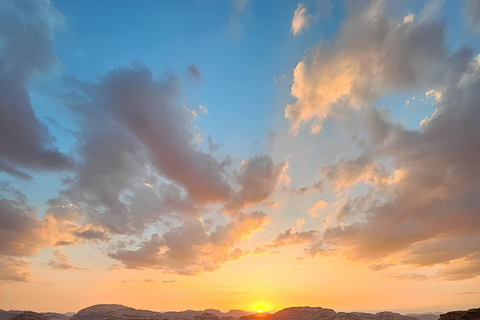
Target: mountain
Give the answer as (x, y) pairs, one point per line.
(28, 315)
(7, 315)
(472, 314)
(116, 311)
(119, 312)
(309, 313)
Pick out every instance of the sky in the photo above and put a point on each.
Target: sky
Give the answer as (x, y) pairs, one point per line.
(244, 154)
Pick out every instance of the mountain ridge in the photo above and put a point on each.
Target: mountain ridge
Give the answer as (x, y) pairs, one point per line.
(121, 312)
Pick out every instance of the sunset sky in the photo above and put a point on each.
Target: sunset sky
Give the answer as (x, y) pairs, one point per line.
(244, 154)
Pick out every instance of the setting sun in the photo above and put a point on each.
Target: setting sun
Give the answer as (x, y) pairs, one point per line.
(260, 311)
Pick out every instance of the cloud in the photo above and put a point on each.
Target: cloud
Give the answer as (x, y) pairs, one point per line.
(472, 11)
(259, 250)
(190, 249)
(464, 268)
(91, 234)
(409, 18)
(344, 174)
(61, 261)
(193, 73)
(433, 94)
(257, 181)
(420, 202)
(139, 159)
(429, 215)
(372, 55)
(240, 5)
(237, 253)
(300, 20)
(26, 49)
(299, 224)
(234, 27)
(317, 186)
(319, 205)
(21, 233)
(278, 79)
(15, 269)
(288, 238)
(411, 276)
(169, 281)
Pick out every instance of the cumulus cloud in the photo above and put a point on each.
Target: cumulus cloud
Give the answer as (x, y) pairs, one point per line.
(300, 20)
(61, 261)
(190, 248)
(373, 54)
(420, 204)
(431, 214)
(139, 157)
(257, 181)
(15, 269)
(26, 49)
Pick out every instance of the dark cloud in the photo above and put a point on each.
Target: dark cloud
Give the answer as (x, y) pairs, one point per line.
(257, 181)
(26, 49)
(193, 73)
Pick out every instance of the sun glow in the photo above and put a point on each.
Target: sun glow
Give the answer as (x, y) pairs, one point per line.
(260, 311)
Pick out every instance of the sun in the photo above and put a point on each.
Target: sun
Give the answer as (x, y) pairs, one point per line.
(260, 310)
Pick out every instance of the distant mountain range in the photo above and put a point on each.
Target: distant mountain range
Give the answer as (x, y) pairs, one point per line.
(119, 312)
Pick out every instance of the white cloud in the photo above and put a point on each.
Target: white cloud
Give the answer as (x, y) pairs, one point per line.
(300, 20)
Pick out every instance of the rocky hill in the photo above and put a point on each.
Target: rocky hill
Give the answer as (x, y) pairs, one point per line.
(28, 315)
(115, 311)
(119, 312)
(472, 314)
(309, 313)
(7, 315)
